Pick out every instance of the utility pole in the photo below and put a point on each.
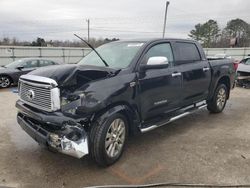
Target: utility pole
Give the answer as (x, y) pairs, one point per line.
(88, 28)
(165, 19)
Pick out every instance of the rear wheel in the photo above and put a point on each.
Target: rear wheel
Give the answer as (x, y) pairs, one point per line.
(107, 141)
(219, 100)
(5, 81)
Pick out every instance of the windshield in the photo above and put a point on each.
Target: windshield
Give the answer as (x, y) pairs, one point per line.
(247, 62)
(117, 54)
(14, 64)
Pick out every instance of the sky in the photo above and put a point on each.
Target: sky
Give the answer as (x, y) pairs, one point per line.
(123, 19)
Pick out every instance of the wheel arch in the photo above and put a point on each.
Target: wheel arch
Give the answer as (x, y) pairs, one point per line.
(7, 75)
(124, 108)
(225, 80)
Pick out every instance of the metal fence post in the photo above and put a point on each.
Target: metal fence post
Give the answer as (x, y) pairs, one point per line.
(244, 53)
(63, 52)
(13, 54)
(40, 52)
(83, 52)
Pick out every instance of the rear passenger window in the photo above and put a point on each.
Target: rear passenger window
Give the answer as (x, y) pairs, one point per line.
(187, 52)
(30, 64)
(44, 63)
(163, 49)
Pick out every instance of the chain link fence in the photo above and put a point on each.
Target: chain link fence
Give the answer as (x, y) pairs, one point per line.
(9, 54)
(236, 53)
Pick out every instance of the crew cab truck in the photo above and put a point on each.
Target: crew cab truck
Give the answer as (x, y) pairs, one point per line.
(93, 106)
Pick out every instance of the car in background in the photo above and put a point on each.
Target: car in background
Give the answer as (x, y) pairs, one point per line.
(9, 74)
(244, 66)
(243, 73)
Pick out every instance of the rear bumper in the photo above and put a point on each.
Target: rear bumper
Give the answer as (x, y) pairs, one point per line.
(68, 139)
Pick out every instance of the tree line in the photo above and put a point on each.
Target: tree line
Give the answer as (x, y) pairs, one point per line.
(54, 43)
(236, 33)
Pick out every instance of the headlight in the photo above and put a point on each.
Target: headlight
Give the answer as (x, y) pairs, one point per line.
(70, 103)
(64, 101)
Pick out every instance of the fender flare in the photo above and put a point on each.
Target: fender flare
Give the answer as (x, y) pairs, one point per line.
(132, 116)
(216, 84)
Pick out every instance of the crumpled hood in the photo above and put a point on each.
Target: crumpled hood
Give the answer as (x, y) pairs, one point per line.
(73, 74)
(243, 68)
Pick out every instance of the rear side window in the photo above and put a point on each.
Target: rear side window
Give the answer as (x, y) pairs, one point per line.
(163, 49)
(187, 52)
(44, 63)
(30, 64)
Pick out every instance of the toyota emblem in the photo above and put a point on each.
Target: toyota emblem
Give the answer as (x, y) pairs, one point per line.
(30, 94)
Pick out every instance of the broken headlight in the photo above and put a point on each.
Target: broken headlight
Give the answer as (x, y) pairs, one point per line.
(64, 101)
(70, 103)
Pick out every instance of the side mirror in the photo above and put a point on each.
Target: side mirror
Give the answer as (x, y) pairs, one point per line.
(157, 62)
(20, 67)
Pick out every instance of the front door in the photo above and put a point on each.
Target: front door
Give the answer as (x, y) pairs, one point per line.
(160, 89)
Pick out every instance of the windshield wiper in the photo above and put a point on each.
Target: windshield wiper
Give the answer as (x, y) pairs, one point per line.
(105, 63)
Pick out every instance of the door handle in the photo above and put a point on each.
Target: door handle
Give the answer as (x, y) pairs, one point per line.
(206, 69)
(175, 74)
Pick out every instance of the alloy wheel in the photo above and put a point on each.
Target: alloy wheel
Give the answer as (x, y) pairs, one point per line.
(221, 98)
(115, 138)
(4, 81)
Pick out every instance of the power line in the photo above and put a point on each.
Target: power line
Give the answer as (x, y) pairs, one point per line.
(79, 29)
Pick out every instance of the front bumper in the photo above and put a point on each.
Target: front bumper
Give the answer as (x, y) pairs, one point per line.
(68, 139)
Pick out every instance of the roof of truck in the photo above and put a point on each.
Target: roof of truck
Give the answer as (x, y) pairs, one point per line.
(156, 39)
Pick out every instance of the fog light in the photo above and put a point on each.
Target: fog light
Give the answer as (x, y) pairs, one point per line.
(55, 140)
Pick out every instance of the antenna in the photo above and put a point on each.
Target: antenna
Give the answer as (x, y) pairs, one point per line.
(105, 63)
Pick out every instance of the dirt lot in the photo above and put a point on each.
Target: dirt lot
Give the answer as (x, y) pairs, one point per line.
(201, 148)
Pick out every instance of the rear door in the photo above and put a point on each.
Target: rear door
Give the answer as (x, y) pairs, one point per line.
(196, 73)
(159, 89)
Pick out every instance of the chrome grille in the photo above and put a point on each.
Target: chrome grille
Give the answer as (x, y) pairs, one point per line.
(39, 95)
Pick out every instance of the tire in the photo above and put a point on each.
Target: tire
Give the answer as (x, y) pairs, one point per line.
(5, 81)
(219, 99)
(107, 140)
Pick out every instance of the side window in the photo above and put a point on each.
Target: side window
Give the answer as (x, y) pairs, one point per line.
(163, 49)
(44, 63)
(30, 64)
(187, 52)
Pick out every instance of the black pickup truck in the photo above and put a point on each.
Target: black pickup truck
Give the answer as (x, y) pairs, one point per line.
(136, 86)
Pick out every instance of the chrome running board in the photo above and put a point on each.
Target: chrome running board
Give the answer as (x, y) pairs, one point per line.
(192, 110)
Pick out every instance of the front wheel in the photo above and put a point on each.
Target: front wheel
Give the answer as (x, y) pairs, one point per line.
(5, 82)
(219, 100)
(108, 139)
